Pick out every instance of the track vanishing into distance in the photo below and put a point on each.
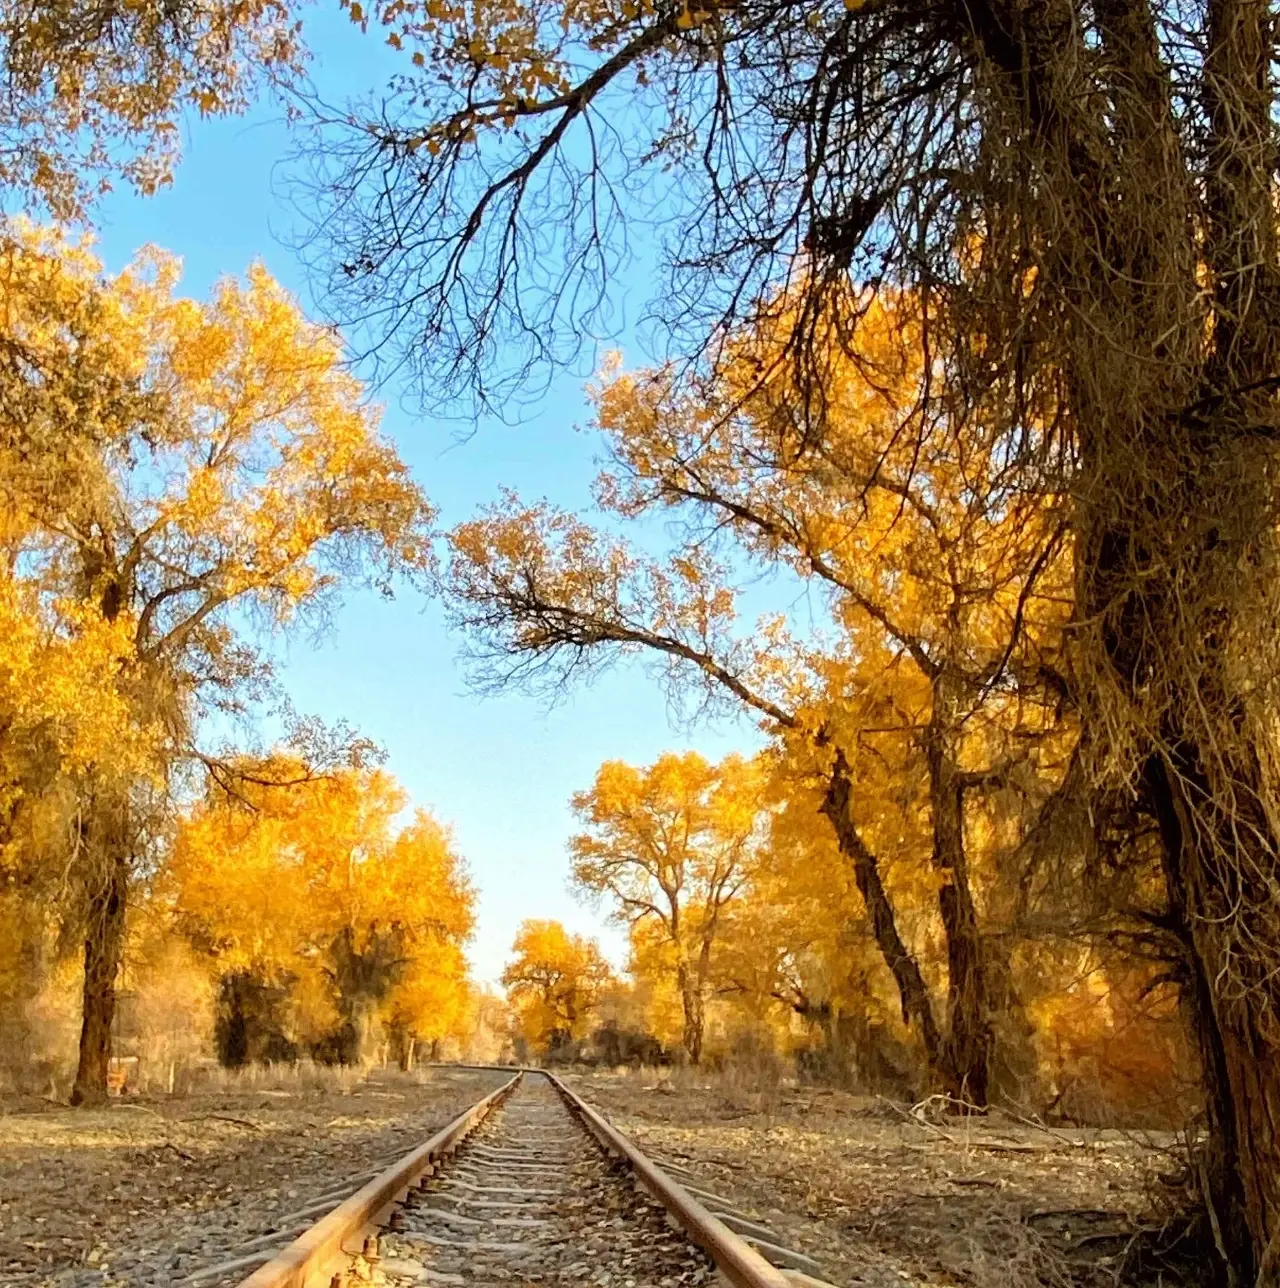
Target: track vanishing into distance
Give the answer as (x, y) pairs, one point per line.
(530, 1186)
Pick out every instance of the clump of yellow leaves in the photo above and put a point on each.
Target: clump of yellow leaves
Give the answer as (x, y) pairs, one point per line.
(555, 981)
(305, 882)
(96, 89)
(178, 458)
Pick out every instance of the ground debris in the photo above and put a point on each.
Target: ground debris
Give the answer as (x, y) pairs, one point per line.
(883, 1199)
(91, 1198)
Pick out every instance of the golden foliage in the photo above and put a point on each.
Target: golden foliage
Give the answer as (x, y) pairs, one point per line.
(921, 816)
(172, 459)
(671, 846)
(97, 89)
(555, 982)
(307, 883)
(173, 472)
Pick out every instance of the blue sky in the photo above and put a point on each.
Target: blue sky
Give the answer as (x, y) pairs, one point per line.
(499, 769)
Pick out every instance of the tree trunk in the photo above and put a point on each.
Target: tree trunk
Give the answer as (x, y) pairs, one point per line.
(970, 1039)
(1232, 1013)
(913, 992)
(103, 950)
(402, 1045)
(1222, 847)
(1174, 409)
(692, 1006)
(231, 1029)
(1173, 617)
(364, 1029)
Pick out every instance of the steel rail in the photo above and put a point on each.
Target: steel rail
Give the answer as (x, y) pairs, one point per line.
(311, 1256)
(736, 1259)
(335, 1238)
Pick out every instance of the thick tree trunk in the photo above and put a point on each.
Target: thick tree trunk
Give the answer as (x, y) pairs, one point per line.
(1174, 618)
(103, 950)
(1232, 1011)
(231, 1029)
(363, 977)
(1175, 512)
(1222, 847)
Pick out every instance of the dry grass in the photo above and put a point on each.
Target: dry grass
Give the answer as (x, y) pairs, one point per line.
(878, 1197)
(97, 1188)
(301, 1078)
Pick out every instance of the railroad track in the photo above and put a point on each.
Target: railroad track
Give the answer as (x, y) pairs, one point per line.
(531, 1186)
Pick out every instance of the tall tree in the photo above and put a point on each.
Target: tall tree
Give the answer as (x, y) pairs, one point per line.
(939, 685)
(944, 576)
(555, 982)
(672, 845)
(1084, 195)
(301, 879)
(225, 463)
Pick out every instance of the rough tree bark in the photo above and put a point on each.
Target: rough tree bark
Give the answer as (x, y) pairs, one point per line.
(1221, 859)
(913, 992)
(1170, 365)
(970, 1040)
(1224, 856)
(103, 951)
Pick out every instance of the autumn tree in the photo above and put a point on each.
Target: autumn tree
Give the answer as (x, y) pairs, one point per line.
(224, 465)
(394, 911)
(947, 582)
(555, 981)
(93, 92)
(941, 686)
(301, 881)
(487, 1036)
(1084, 197)
(799, 943)
(60, 713)
(671, 846)
(96, 91)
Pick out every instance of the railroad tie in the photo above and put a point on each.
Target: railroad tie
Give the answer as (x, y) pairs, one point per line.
(530, 1183)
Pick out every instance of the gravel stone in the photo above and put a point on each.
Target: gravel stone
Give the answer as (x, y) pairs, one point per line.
(532, 1199)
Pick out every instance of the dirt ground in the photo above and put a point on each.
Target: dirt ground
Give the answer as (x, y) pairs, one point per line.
(150, 1191)
(878, 1198)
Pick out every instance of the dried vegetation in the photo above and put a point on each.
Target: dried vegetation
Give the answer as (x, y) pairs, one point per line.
(879, 1195)
(152, 1191)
